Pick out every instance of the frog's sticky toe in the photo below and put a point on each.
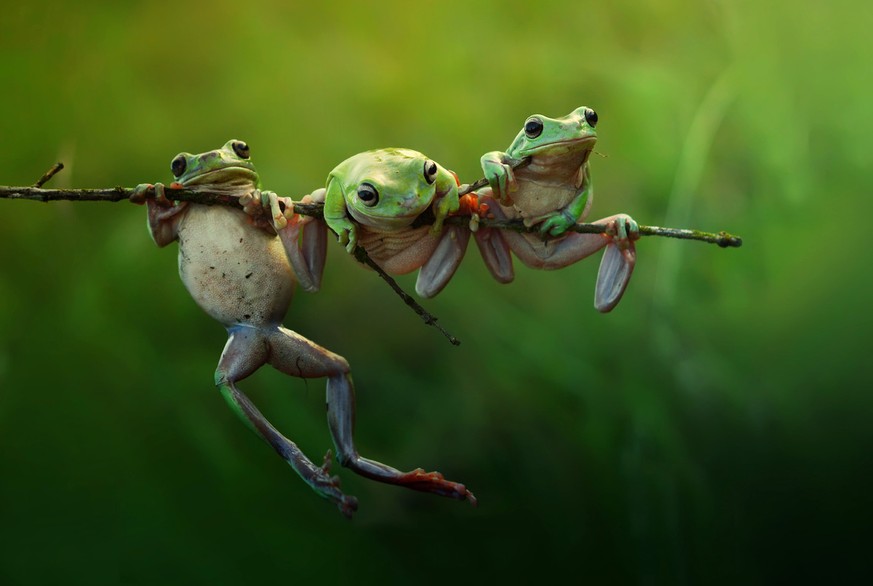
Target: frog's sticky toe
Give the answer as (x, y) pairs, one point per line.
(615, 272)
(348, 506)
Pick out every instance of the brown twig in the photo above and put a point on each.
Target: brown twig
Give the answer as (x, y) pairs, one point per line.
(723, 239)
(49, 174)
(362, 257)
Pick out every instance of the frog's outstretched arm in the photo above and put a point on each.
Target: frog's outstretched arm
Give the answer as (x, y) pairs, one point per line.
(249, 348)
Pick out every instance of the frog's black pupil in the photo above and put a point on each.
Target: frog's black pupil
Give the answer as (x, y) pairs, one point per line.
(591, 117)
(241, 149)
(368, 194)
(533, 127)
(178, 166)
(430, 170)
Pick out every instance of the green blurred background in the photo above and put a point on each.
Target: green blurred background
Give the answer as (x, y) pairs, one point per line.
(715, 428)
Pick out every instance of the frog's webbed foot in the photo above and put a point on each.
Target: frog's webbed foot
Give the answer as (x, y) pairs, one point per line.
(492, 246)
(341, 417)
(618, 262)
(434, 482)
(436, 272)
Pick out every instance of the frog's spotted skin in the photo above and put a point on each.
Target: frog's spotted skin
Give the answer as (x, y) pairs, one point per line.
(553, 191)
(373, 199)
(241, 268)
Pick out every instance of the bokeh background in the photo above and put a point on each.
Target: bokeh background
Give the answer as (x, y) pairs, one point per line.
(715, 428)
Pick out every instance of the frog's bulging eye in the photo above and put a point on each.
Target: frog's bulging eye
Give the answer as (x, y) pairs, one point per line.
(591, 117)
(178, 165)
(241, 149)
(368, 195)
(533, 127)
(430, 171)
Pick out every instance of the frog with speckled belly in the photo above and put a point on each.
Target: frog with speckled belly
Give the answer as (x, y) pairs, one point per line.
(241, 266)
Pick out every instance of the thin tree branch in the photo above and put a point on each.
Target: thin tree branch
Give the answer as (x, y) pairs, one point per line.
(362, 257)
(723, 239)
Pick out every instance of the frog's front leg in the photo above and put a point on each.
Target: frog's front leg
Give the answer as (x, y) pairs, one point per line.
(249, 348)
(264, 209)
(336, 214)
(163, 214)
(497, 167)
(305, 241)
(563, 218)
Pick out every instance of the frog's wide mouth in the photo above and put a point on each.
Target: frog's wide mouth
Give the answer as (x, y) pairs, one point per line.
(232, 175)
(584, 144)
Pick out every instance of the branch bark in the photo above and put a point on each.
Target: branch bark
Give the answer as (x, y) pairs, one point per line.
(723, 239)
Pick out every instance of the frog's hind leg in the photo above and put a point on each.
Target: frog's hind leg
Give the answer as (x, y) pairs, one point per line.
(617, 264)
(247, 350)
(297, 356)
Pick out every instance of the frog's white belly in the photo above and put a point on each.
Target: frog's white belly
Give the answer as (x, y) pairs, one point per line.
(537, 200)
(237, 273)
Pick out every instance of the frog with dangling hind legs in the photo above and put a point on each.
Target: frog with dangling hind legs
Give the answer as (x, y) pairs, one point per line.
(241, 266)
(393, 203)
(552, 191)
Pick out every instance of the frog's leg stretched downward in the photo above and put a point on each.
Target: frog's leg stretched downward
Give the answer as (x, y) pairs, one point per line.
(248, 348)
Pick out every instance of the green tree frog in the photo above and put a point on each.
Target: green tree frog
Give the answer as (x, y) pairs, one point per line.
(392, 202)
(241, 267)
(553, 191)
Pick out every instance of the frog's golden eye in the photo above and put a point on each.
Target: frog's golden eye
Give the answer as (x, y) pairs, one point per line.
(178, 166)
(368, 195)
(591, 117)
(533, 127)
(241, 149)
(430, 171)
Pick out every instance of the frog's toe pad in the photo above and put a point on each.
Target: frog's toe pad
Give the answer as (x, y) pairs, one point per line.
(436, 483)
